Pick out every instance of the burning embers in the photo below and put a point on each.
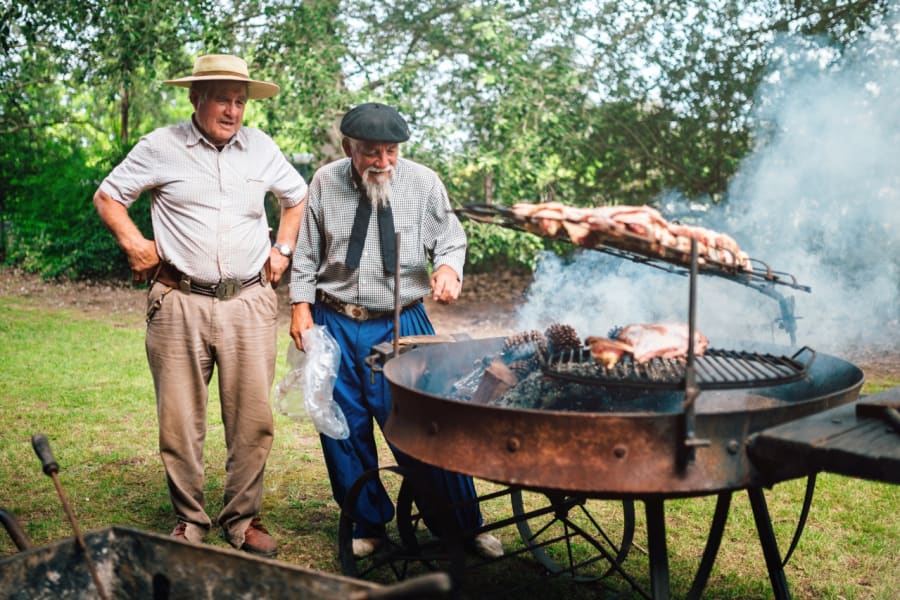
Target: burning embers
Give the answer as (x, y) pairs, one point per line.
(553, 370)
(646, 371)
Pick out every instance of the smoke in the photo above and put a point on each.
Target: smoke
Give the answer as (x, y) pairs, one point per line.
(818, 199)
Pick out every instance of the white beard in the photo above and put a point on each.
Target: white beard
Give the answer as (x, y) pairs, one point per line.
(379, 191)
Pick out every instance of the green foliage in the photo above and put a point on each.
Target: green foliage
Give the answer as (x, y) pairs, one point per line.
(584, 103)
(62, 236)
(492, 247)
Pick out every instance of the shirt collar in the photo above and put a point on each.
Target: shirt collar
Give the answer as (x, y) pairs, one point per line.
(195, 136)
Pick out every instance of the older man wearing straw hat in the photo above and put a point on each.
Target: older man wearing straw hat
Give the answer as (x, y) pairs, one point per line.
(211, 305)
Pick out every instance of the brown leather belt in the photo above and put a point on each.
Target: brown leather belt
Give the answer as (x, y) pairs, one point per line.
(355, 311)
(169, 275)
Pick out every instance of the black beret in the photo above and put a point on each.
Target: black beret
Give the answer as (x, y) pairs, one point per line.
(375, 122)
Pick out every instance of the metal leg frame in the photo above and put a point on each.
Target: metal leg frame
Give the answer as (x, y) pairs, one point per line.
(659, 554)
(769, 543)
(408, 550)
(659, 561)
(395, 555)
(713, 541)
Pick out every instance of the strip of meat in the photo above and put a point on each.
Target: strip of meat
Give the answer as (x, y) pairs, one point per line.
(607, 352)
(618, 221)
(663, 340)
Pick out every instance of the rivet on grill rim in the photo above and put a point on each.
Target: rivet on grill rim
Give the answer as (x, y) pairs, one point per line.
(620, 451)
(432, 428)
(513, 444)
(733, 446)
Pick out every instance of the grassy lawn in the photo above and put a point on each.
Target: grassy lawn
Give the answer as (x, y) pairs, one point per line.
(83, 381)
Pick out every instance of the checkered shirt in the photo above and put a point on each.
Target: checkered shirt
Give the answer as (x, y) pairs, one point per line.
(428, 231)
(208, 207)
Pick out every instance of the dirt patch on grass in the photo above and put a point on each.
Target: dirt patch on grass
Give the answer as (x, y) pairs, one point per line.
(486, 305)
(486, 308)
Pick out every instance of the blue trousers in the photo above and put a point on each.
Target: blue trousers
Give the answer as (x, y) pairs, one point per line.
(364, 401)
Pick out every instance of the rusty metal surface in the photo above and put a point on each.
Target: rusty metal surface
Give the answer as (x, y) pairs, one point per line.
(133, 564)
(630, 448)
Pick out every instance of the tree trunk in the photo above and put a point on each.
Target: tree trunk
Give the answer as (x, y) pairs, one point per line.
(124, 108)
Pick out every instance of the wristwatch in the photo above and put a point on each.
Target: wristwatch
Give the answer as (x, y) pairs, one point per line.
(283, 249)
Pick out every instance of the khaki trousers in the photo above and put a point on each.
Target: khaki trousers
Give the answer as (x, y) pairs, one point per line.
(188, 335)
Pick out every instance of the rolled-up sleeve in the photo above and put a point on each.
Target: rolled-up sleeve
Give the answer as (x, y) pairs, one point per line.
(136, 173)
(443, 233)
(308, 255)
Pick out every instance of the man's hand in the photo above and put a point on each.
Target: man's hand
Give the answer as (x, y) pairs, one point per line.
(301, 320)
(278, 264)
(445, 284)
(143, 259)
(141, 252)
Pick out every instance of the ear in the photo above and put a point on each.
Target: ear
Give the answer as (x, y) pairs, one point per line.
(345, 144)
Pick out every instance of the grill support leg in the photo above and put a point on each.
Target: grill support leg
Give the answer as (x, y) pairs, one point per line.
(769, 543)
(658, 553)
(713, 541)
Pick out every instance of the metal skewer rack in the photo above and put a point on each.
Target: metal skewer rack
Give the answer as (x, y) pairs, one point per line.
(647, 251)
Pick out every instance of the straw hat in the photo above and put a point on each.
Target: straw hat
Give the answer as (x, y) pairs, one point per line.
(219, 67)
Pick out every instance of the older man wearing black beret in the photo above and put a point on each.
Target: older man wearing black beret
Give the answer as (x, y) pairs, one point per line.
(343, 277)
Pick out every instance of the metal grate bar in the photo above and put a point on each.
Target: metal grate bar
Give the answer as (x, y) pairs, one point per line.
(716, 369)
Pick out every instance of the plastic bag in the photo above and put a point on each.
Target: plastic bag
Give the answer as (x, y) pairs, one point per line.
(307, 388)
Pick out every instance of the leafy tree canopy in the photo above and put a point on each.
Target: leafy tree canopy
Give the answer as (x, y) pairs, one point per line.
(509, 100)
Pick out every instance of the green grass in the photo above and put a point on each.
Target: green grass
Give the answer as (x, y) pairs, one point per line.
(83, 382)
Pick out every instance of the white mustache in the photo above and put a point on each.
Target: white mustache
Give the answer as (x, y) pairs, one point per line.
(377, 171)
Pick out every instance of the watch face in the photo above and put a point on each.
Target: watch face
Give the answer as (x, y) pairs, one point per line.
(283, 249)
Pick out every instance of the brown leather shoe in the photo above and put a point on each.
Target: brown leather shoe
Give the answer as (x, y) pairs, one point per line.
(178, 532)
(258, 541)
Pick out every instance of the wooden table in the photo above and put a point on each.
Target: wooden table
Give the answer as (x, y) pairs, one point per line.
(857, 440)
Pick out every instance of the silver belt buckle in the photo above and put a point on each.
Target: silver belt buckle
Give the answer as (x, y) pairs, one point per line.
(228, 288)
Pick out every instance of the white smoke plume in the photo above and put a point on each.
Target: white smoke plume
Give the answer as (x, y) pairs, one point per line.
(818, 199)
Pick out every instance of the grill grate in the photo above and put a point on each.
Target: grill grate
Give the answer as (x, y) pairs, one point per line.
(716, 369)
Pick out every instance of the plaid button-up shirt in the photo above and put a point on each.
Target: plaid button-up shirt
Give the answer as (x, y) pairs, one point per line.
(208, 207)
(428, 230)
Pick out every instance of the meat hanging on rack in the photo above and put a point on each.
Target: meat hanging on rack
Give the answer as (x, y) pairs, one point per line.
(643, 221)
(644, 342)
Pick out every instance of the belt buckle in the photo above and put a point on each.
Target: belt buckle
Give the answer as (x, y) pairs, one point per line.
(228, 288)
(356, 312)
(184, 285)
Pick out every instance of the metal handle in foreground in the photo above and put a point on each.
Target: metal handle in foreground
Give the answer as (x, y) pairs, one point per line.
(42, 448)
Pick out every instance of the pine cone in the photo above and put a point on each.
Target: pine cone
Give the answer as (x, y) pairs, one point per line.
(521, 338)
(561, 337)
(523, 344)
(523, 368)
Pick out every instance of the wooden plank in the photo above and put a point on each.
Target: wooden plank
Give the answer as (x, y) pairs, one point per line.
(874, 406)
(497, 379)
(842, 440)
(870, 451)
